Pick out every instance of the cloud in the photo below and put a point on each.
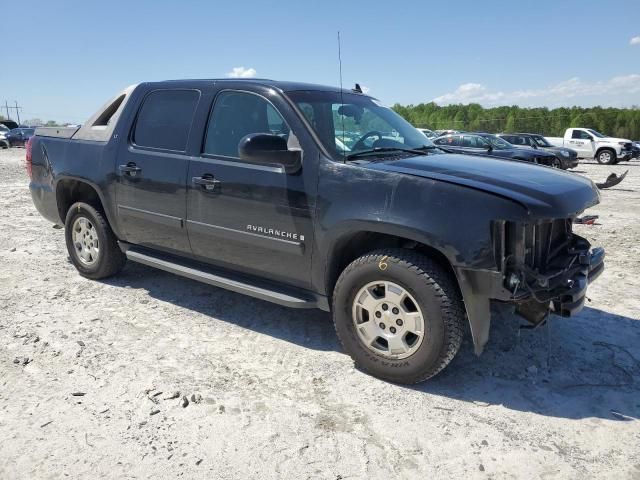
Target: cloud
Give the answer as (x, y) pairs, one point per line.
(241, 72)
(617, 90)
(635, 41)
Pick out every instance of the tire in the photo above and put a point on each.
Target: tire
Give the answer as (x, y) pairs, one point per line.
(557, 163)
(107, 259)
(606, 157)
(429, 288)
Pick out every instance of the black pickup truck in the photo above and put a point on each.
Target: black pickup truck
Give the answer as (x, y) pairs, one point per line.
(316, 197)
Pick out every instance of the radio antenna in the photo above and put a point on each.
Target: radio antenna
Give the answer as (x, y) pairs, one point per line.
(344, 153)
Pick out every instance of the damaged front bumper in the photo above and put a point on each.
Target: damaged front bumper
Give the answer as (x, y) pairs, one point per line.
(562, 293)
(542, 269)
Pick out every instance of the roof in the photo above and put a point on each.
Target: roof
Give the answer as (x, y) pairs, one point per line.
(285, 86)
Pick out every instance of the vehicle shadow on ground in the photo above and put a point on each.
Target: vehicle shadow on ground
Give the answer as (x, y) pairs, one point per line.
(306, 327)
(570, 368)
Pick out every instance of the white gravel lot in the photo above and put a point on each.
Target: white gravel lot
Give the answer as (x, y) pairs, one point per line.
(271, 396)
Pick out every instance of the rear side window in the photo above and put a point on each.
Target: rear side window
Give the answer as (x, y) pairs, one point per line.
(581, 135)
(165, 119)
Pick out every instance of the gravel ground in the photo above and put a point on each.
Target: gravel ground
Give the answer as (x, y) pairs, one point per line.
(149, 375)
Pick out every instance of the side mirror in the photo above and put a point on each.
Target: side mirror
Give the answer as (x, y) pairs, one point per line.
(269, 149)
(489, 148)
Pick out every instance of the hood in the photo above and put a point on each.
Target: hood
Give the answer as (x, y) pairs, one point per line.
(533, 152)
(559, 149)
(612, 139)
(544, 192)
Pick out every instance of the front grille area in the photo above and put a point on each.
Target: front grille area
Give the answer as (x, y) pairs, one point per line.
(536, 246)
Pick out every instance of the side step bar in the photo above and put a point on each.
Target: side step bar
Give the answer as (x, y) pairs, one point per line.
(226, 280)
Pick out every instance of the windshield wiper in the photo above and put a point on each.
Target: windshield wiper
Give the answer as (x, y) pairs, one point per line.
(384, 150)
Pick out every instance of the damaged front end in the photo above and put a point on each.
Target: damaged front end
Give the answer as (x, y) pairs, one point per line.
(547, 267)
(541, 268)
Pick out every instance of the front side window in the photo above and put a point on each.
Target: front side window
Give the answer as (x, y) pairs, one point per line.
(164, 121)
(541, 141)
(597, 134)
(472, 141)
(497, 142)
(449, 140)
(355, 123)
(237, 114)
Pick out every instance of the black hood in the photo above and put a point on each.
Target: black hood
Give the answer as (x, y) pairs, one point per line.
(544, 192)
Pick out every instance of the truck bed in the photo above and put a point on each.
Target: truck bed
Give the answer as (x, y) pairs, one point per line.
(57, 132)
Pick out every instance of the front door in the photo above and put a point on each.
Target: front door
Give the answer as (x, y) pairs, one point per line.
(247, 217)
(582, 142)
(151, 172)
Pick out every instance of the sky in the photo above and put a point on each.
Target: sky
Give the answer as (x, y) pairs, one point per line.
(64, 59)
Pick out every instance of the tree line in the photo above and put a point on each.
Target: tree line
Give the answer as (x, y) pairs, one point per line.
(616, 122)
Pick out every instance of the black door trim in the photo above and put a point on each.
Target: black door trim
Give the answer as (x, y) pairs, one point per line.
(295, 247)
(160, 218)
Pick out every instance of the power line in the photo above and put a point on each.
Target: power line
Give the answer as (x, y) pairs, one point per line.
(17, 108)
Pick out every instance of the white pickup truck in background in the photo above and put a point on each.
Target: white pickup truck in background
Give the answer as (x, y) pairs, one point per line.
(591, 144)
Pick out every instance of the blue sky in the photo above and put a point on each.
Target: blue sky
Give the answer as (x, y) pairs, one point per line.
(64, 59)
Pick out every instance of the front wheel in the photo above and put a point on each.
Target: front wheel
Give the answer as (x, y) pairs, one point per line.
(607, 157)
(91, 243)
(399, 315)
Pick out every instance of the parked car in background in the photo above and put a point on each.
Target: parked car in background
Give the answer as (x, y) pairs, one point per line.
(635, 149)
(10, 124)
(19, 136)
(591, 144)
(565, 157)
(4, 143)
(488, 144)
(428, 133)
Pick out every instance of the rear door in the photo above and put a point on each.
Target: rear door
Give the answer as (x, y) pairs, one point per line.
(151, 171)
(252, 218)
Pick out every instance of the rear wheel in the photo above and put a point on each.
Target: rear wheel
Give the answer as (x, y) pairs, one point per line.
(399, 315)
(606, 157)
(91, 243)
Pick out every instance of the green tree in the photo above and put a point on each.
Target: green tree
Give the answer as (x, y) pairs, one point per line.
(619, 122)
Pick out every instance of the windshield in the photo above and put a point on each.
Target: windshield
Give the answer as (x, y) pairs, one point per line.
(497, 142)
(597, 134)
(352, 123)
(541, 141)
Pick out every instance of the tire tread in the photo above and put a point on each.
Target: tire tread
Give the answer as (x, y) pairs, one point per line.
(445, 288)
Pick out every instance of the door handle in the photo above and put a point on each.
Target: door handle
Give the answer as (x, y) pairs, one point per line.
(130, 169)
(206, 182)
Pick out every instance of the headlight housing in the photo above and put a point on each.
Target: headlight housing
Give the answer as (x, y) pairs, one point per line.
(564, 153)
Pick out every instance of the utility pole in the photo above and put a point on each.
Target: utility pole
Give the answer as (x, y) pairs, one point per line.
(18, 111)
(6, 106)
